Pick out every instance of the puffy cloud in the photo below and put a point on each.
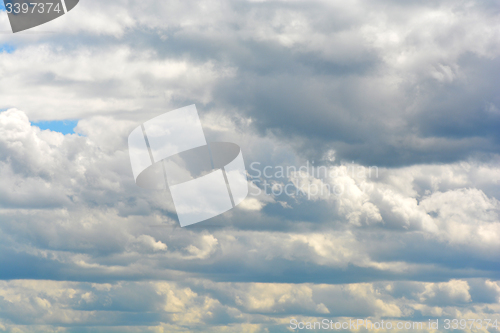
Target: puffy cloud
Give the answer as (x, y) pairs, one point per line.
(100, 220)
(450, 292)
(396, 101)
(466, 216)
(196, 303)
(383, 84)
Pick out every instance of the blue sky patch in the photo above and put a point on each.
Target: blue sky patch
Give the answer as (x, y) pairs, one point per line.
(61, 126)
(7, 48)
(2, 6)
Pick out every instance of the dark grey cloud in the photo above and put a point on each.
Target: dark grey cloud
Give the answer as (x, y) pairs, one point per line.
(332, 75)
(409, 87)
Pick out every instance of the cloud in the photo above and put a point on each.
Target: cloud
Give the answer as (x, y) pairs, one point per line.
(382, 84)
(96, 194)
(193, 304)
(397, 102)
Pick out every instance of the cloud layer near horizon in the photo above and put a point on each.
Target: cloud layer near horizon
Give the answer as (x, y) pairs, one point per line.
(408, 88)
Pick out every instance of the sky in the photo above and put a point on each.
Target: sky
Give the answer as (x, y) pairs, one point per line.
(397, 101)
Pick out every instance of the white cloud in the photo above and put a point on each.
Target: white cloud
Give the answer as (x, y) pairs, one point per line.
(404, 84)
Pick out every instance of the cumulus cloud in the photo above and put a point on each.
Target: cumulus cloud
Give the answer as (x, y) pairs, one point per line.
(71, 208)
(396, 102)
(193, 304)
